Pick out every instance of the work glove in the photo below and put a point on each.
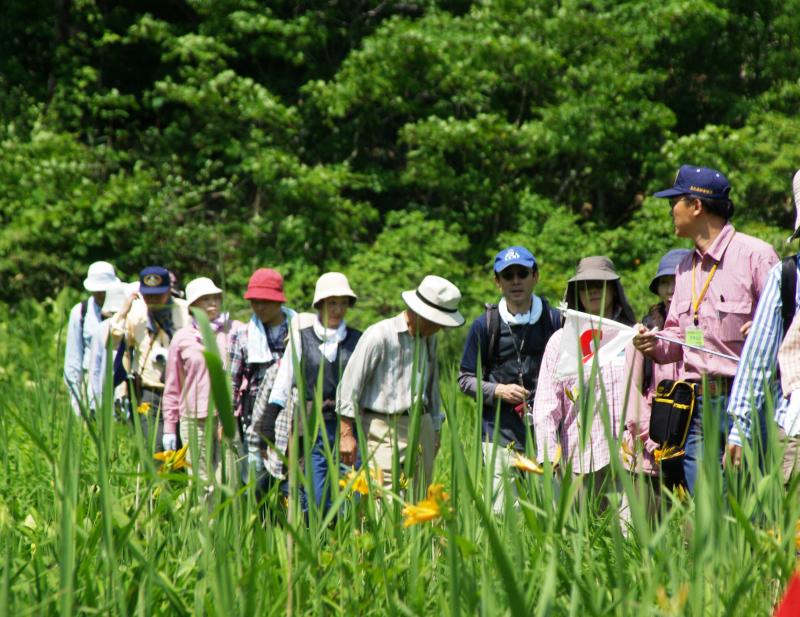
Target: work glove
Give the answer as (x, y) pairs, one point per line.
(169, 441)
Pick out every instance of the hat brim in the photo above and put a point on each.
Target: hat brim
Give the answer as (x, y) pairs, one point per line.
(336, 293)
(437, 316)
(95, 285)
(268, 295)
(673, 192)
(153, 291)
(525, 263)
(594, 275)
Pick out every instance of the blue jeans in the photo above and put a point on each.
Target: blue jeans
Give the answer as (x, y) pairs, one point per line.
(321, 479)
(716, 405)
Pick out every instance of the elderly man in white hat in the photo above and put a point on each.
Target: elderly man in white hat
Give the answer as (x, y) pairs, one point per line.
(84, 319)
(392, 380)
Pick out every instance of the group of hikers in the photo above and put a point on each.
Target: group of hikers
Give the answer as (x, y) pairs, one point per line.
(722, 324)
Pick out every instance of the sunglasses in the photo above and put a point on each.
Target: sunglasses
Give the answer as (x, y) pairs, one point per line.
(510, 273)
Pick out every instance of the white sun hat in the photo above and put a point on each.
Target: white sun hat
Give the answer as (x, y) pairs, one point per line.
(332, 284)
(436, 299)
(200, 287)
(100, 277)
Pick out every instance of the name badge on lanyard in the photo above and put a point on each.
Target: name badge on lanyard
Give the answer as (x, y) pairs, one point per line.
(694, 336)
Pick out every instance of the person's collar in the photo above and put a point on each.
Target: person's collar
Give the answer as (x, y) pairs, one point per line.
(399, 323)
(720, 243)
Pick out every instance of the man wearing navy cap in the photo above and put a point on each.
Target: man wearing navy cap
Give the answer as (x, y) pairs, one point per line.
(148, 321)
(509, 338)
(717, 287)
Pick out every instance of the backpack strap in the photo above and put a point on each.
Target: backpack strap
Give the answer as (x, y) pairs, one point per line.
(788, 291)
(84, 305)
(493, 331)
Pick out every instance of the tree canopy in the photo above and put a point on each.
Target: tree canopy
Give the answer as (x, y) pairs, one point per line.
(385, 140)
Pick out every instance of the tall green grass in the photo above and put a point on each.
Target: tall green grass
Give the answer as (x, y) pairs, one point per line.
(88, 526)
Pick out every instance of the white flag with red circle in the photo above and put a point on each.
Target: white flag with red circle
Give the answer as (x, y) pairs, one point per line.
(588, 339)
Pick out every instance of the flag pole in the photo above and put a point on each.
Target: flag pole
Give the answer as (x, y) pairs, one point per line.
(696, 348)
(567, 311)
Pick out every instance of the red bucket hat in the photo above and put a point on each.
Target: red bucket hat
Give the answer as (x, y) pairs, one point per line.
(265, 284)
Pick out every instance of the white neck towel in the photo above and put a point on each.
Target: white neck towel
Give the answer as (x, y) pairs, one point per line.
(330, 338)
(258, 350)
(529, 318)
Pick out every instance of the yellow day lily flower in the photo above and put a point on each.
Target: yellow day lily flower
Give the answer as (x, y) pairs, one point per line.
(523, 463)
(172, 460)
(428, 509)
(664, 454)
(360, 481)
(143, 408)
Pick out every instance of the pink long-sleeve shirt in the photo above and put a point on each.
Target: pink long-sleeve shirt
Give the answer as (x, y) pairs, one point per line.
(730, 302)
(187, 388)
(556, 416)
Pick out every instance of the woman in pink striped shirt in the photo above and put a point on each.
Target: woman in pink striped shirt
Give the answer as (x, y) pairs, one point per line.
(187, 389)
(594, 289)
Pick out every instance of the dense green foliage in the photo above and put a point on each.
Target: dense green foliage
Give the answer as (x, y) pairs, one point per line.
(383, 139)
(88, 526)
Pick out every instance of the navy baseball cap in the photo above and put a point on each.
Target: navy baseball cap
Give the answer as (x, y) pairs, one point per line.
(514, 256)
(698, 181)
(154, 280)
(668, 265)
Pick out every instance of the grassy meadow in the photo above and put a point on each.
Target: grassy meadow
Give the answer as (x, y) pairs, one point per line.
(88, 525)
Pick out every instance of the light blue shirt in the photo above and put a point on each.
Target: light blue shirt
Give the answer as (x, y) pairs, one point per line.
(757, 368)
(98, 358)
(78, 345)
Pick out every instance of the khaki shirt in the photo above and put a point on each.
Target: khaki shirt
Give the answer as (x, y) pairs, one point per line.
(382, 374)
(149, 346)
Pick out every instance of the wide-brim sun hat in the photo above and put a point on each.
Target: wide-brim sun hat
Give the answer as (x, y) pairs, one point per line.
(667, 266)
(200, 287)
(599, 268)
(436, 299)
(595, 268)
(100, 277)
(332, 285)
(265, 284)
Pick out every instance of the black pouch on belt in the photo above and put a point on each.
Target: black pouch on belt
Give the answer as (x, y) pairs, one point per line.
(673, 406)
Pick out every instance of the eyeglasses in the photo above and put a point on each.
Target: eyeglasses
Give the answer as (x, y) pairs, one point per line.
(676, 200)
(521, 273)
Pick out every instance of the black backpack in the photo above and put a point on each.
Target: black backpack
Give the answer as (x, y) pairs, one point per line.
(788, 290)
(553, 322)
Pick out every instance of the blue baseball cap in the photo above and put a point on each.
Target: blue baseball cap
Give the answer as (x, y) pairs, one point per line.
(668, 265)
(698, 181)
(514, 256)
(154, 280)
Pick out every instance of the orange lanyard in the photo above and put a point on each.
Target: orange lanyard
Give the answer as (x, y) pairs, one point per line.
(696, 301)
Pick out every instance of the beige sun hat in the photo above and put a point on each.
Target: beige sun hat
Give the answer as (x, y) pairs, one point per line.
(200, 287)
(436, 299)
(332, 284)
